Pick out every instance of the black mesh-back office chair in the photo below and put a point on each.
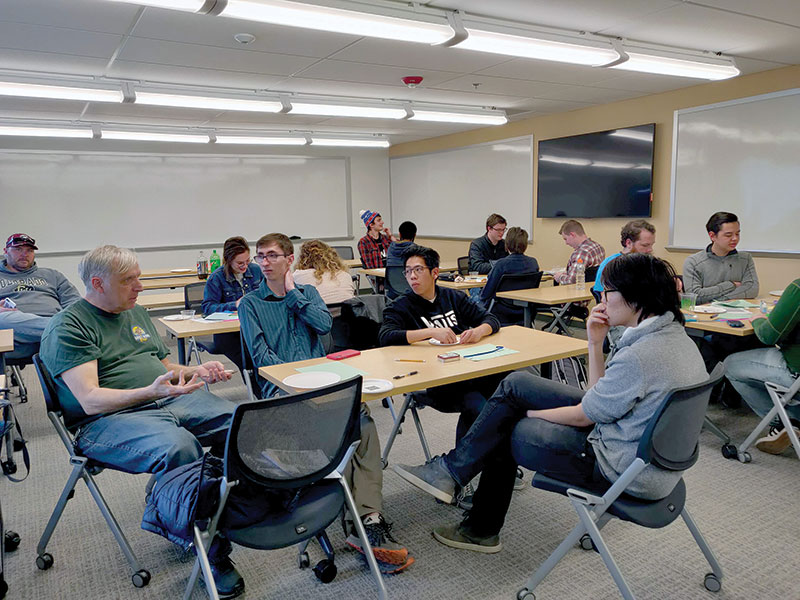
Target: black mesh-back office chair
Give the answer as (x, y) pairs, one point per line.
(344, 252)
(396, 282)
(511, 312)
(82, 468)
(299, 443)
(14, 368)
(669, 442)
(463, 265)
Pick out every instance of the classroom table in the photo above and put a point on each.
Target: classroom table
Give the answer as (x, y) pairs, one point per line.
(6, 345)
(165, 300)
(352, 263)
(169, 282)
(557, 299)
(444, 267)
(191, 328)
(158, 273)
(713, 324)
(465, 285)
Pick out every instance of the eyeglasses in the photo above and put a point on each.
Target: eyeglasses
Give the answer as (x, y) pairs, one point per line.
(500, 229)
(604, 293)
(269, 257)
(415, 270)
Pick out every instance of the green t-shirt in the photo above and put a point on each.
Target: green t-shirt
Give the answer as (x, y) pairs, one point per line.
(126, 346)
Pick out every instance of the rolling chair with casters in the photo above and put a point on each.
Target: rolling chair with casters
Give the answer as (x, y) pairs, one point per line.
(300, 444)
(82, 468)
(669, 442)
(396, 282)
(511, 312)
(463, 265)
(14, 368)
(193, 300)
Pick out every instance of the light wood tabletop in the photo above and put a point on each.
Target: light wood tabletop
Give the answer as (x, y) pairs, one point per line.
(158, 283)
(156, 273)
(164, 300)
(191, 328)
(465, 285)
(559, 294)
(447, 266)
(6, 340)
(535, 347)
(351, 263)
(712, 323)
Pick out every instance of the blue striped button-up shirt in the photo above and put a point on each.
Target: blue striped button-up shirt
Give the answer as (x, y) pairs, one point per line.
(280, 329)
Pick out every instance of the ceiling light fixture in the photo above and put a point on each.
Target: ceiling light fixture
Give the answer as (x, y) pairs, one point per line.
(260, 141)
(350, 142)
(45, 132)
(59, 92)
(342, 110)
(496, 117)
(184, 5)
(645, 61)
(207, 102)
(152, 136)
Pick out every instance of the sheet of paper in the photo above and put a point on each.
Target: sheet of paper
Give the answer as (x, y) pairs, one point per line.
(476, 353)
(344, 370)
(222, 316)
(736, 303)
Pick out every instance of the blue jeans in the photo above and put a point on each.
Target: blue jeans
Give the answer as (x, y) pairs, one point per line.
(28, 329)
(487, 447)
(747, 371)
(160, 435)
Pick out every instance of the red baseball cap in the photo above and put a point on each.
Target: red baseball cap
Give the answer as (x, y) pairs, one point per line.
(20, 239)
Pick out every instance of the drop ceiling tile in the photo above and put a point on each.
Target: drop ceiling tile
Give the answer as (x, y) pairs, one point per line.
(89, 15)
(58, 40)
(8, 103)
(544, 70)
(537, 89)
(250, 120)
(169, 74)
(112, 114)
(218, 32)
(782, 11)
(224, 59)
(339, 70)
(647, 82)
(752, 65)
(49, 62)
(541, 106)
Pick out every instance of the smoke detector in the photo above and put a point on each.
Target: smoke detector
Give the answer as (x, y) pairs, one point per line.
(245, 38)
(412, 81)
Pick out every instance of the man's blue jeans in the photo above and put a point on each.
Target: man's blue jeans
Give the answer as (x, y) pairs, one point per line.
(747, 371)
(487, 447)
(160, 435)
(28, 329)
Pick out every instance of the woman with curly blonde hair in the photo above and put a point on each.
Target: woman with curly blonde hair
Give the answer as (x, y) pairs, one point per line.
(320, 266)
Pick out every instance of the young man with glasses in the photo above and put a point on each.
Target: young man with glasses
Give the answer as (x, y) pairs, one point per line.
(490, 247)
(283, 322)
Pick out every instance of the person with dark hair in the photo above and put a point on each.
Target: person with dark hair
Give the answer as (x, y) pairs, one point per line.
(373, 246)
(586, 436)
(394, 255)
(225, 289)
(585, 251)
(489, 248)
(720, 272)
(283, 322)
(515, 262)
(636, 236)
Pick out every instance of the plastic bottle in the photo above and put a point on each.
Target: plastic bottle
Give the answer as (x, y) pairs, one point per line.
(214, 260)
(763, 307)
(202, 266)
(580, 276)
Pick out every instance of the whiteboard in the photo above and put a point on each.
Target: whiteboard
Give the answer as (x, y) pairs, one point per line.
(743, 157)
(74, 201)
(450, 193)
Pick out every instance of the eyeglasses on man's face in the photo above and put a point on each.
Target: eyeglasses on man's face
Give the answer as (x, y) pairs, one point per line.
(605, 292)
(414, 271)
(500, 229)
(268, 257)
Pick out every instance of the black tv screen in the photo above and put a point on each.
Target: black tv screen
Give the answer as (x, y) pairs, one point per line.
(604, 174)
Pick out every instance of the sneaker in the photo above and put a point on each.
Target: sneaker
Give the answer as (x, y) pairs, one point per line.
(464, 497)
(776, 441)
(384, 546)
(227, 579)
(519, 481)
(390, 568)
(432, 477)
(455, 537)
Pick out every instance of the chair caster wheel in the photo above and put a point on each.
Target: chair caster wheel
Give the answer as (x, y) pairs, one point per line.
(729, 451)
(525, 594)
(587, 543)
(303, 561)
(9, 467)
(712, 583)
(11, 541)
(44, 561)
(325, 570)
(141, 578)
(744, 457)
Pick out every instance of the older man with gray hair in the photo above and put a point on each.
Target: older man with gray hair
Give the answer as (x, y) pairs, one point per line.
(129, 406)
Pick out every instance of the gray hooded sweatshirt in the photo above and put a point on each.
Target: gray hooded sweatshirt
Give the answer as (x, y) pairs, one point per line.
(652, 359)
(38, 291)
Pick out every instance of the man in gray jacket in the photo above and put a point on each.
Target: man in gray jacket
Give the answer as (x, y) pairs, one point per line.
(29, 295)
(720, 272)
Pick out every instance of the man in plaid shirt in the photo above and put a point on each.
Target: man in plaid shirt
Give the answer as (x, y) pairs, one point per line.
(372, 247)
(585, 249)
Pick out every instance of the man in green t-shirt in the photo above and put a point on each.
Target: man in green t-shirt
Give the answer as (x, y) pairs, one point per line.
(129, 406)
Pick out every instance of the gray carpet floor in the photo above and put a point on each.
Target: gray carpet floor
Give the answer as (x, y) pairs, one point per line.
(750, 515)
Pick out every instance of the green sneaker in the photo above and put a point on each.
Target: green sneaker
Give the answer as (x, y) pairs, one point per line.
(455, 537)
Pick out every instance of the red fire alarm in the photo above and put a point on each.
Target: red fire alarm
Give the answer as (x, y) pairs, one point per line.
(412, 81)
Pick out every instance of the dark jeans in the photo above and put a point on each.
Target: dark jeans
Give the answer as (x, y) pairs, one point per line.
(487, 447)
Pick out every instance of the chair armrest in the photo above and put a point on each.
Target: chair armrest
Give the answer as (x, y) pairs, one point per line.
(337, 472)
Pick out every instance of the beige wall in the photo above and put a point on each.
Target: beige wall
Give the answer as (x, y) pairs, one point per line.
(547, 246)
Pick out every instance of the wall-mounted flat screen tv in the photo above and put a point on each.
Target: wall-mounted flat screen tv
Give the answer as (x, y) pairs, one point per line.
(603, 174)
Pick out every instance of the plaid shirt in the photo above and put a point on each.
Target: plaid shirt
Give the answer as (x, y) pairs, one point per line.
(373, 252)
(592, 254)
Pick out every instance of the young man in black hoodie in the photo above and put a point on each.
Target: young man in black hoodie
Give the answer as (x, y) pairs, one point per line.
(428, 312)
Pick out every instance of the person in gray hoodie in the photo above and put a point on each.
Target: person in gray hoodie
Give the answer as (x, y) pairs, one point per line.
(29, 294)
(587, 437)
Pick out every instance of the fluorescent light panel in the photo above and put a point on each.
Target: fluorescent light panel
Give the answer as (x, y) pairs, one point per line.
(261, 141)
(456, 117)
(663, 65)
(207, 102)
(337, 110)
(151, 136)
(59, 92)
(348, 142)
(186, 5)
(45, 132)
(294, 14)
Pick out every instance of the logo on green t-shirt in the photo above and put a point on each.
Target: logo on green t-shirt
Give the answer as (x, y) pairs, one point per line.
(139, 334)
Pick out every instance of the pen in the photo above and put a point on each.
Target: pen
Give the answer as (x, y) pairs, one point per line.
(481, 353)
(408, 360)
(406, 375)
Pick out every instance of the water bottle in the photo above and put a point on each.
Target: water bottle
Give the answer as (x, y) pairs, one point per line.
(763, 307)
(580, 276)
(214, 260)
(202, 266)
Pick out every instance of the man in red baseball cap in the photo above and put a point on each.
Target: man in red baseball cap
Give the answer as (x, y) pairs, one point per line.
(29, 295)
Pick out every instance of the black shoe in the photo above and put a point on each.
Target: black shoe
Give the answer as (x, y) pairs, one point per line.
(384, 546)
(227, 579)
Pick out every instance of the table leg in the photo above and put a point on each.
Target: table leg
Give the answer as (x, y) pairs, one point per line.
(546, 370)
(181, 351)
(527, 318)
(558, 321)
